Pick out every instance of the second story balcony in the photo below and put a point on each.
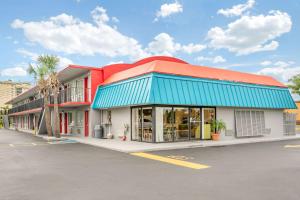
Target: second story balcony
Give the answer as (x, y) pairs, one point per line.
(73, 95)
(67, 96)
(38, 103)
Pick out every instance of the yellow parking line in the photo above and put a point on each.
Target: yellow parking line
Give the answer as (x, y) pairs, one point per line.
(292, 146)
(11, 145)
(171, 161)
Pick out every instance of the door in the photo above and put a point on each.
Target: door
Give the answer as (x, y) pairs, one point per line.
(86, 93)
(60, 122)
(195, 123)
(66, 123)
(86, 123)
(208, 117)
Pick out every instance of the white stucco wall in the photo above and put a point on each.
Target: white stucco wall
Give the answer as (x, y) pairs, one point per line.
(273, 121)
(119, 117)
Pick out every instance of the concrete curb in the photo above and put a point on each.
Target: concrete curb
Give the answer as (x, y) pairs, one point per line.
(184, 145)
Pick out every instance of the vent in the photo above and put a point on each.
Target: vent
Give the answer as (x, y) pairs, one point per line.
(249, 123)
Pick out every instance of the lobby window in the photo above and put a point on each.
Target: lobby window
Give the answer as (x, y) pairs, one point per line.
(195, 123)
(181, 124)
(142, 124)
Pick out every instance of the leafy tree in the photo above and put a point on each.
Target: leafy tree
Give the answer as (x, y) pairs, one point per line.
(45, 74)
(295, 84)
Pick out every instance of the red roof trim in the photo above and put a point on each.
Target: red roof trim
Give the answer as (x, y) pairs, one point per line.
(180, 69)
(71, 104)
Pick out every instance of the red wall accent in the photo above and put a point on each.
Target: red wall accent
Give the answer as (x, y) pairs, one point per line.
(96, 79)
(66, 123)
(60, 122)
(86, 123)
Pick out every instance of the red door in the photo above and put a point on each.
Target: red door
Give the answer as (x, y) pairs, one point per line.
(60, 122)
(66, 123)
(86, 93)
(86, 123)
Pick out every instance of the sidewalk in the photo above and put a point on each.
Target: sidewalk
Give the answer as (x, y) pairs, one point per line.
(132, 146)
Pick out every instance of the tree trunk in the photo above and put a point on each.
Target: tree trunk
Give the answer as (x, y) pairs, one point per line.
(56, 114)
(47, 115)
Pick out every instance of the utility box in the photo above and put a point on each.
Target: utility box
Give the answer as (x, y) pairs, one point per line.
(98, 131)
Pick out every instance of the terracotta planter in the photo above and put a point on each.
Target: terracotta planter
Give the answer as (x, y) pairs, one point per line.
(215, 136)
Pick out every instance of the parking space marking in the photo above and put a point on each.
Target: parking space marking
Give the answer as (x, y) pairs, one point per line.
(31, 144)
(177, 162)
(292, 146)
(178, 157)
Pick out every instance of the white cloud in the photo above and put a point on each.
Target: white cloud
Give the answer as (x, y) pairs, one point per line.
(277, 63)
(64, 33)
(63, 62)
(251, 34)
(14, 71)
(215, 60)
(115, 19)
(168, 9)
(280, 73)
(237, 10)
(193, 48)
(26, 54)
(266, 63)
(164, 44)
(99, 15)
(281, 70)
(115, 62)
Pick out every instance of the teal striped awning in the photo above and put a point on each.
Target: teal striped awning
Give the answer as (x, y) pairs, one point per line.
(165, 89)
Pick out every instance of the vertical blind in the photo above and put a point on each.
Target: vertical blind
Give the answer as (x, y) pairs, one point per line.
(249, 123)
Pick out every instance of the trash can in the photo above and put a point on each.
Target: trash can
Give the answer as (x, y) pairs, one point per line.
(98, 131)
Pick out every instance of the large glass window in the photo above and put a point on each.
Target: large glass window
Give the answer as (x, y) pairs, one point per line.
(147, 125)
(142, 128)
(172, 123)
(195, 123)
(181, 124)
(136, 124)
(167, 124)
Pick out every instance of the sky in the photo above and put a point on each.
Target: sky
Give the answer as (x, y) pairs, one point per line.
(255, 36)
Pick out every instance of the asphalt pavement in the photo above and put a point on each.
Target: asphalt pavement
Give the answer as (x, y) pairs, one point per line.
(32, 169)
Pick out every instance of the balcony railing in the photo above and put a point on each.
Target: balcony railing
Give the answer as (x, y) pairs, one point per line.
(64, 96)
(28, 106)
(73, 94)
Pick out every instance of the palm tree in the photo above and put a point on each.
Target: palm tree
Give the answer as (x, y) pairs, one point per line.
(44, 73)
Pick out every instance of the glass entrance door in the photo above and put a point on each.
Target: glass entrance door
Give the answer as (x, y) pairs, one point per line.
(208, 117)
(195, 123)
(147, 125)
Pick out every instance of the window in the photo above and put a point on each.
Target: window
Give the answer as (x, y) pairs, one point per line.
(181, 123)
(167, 124)
(249, 123)
(195, 123)
(142, 129)
(209, 114)
(147, 125)
(19, 91)
(70, 118)
(136, 123)
(80, 118)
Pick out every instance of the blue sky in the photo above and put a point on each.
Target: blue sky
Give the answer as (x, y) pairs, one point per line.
(257, 36)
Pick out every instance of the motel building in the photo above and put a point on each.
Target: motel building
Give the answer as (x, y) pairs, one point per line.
(161, 99)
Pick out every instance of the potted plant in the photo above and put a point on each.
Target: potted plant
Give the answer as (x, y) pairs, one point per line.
(217, 126)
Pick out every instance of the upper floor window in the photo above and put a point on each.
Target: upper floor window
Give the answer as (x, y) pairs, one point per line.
(19, 91)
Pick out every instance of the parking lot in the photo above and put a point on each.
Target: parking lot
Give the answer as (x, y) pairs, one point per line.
(32, 168)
